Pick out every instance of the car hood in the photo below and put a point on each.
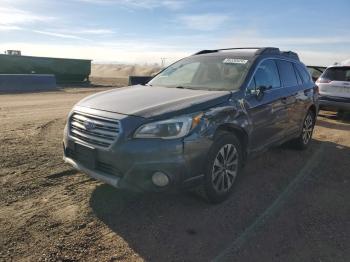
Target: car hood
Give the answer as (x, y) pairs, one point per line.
(147, 101)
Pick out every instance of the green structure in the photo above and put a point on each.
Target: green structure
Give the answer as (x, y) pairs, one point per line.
(65, 70)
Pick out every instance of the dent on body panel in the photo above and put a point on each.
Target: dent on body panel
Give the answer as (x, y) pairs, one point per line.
(197, 145)
(233, 113)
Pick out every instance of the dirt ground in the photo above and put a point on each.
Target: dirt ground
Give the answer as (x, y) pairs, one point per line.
(287, 206)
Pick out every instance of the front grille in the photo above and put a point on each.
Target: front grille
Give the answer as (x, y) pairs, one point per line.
(93, 129)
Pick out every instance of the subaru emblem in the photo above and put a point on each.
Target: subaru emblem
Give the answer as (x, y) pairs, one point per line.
(89, 125)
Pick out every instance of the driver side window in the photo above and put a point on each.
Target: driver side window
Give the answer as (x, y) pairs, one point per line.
(266, 75)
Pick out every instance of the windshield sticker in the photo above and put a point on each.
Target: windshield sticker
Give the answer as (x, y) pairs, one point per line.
(234, 61)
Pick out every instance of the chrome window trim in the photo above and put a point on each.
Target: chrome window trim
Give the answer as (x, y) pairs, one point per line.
(257, 66)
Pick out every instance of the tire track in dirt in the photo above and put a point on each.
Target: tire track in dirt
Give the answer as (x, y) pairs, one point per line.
(45, 201)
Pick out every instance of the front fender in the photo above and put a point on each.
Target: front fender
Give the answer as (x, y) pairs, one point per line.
(231, 116)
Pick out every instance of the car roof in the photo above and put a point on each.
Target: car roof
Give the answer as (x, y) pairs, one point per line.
(250, 52)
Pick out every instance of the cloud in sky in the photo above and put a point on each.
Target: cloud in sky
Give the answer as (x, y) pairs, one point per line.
(259, 40)
(75, 33)
(203, 22)
(9, 28)
(12, 19)
(10, 16)
(96, 31)
(141, 4)
(68, 36)
(102, 29)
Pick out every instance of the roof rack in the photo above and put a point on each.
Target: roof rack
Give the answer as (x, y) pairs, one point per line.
(259, 51)
(290, 54)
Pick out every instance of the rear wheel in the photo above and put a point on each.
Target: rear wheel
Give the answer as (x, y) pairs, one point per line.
(223, 167)
(304, 139)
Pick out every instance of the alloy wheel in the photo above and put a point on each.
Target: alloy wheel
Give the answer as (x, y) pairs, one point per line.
(307, 129)
(225, 168)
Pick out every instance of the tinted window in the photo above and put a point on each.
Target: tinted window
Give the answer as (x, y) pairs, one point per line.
(337, 73)
(267, 75)
(287, 73)
(305, 75)
(252, 84)
(297, 73)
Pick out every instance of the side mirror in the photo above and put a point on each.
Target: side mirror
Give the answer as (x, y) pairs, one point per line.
(264, 88)
(260, 90)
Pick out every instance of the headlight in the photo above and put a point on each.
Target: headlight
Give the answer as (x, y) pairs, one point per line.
(168, 129)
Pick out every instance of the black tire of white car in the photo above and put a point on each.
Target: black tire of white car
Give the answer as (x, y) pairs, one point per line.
(303, 141)
(222, 169)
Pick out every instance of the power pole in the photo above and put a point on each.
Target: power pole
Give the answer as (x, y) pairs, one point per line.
(163, 62)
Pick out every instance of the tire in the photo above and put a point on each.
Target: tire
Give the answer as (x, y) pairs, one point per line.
(303, 141)
(220, 173)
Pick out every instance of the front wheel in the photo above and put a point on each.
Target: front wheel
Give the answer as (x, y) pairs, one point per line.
(304, 139)
(223, 167)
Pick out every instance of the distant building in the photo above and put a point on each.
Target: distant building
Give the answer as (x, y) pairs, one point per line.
(12, 52)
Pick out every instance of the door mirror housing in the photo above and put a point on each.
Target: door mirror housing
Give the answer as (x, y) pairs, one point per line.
(259, 90)
(264, 88)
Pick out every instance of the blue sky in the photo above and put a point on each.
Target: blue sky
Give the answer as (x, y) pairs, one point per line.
(144, 31)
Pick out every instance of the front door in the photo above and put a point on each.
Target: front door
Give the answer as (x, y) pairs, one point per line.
(267, 111)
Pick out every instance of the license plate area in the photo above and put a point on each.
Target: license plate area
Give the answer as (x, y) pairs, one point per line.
(85, 155)
(339, 89)
(343, 89)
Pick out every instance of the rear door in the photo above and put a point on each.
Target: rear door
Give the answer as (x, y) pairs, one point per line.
(267, 112)
(290, 83)
(306, 95)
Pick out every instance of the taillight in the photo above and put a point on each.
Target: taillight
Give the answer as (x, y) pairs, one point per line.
(323, 81)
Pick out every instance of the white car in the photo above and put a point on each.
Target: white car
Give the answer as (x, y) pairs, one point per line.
(334, 88)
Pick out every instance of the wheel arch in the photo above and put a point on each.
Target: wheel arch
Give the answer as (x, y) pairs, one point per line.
(238, 131)
(313, 109)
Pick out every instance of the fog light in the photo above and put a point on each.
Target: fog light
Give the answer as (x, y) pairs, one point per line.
(160, 179)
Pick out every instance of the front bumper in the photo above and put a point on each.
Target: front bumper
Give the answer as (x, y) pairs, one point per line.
(130, 164)
(109, 179)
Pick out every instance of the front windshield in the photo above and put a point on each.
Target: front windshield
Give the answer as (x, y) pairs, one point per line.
(205, 73)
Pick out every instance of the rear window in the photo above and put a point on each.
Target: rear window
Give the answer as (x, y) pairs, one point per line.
(305, 75)
(297, 73)
(337, 74)
(287, 73)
